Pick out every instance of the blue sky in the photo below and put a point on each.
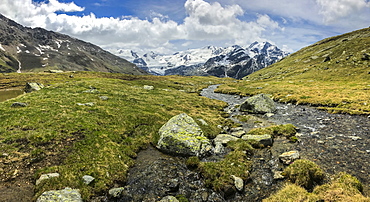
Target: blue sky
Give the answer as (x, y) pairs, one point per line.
(167, 26)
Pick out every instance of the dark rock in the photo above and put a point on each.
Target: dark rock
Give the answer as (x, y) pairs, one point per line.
(19, 104)
(327, 59)
(365, 56)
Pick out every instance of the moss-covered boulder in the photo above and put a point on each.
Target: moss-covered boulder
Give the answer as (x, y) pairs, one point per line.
(258, 104)
(182, 136)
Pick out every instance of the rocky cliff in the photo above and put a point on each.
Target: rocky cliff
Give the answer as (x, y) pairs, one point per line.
(26, 49)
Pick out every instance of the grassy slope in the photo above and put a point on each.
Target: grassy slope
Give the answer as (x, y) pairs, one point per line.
(341, 84)
(54, 134)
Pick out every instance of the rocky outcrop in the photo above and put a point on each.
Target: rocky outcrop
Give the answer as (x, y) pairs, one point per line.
(181, 135)
(33, 87)
(258, 104)
(63, 195)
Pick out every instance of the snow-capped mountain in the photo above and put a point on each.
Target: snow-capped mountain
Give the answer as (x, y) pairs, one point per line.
(234, 61)
(24, 49)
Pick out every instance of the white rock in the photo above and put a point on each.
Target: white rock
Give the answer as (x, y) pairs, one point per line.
(46, 176)
(289, 157)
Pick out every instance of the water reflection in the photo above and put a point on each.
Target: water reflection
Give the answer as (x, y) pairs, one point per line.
(8, 94)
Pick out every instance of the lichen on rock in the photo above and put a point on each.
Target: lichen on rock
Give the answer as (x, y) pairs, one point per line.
(181, 135)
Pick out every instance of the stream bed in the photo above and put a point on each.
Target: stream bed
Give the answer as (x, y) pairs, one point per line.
(336, 142)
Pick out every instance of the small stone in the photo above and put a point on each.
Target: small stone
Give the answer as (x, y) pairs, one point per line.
(224, 139)
(269, 115)
(238, 182)
(278, 175)
(88, 179)
(203, 122)
(19, 104)
(238, 134)
(289, 157)
(219, 149)
(116, 192)
(354, 138)
(169, 199)
(146, 87)
(46, 176)
(104, 98)
(368, 151)
(320, 142)
(266, 139)
(89, 104)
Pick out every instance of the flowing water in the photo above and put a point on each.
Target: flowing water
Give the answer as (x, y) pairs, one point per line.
(336, 142)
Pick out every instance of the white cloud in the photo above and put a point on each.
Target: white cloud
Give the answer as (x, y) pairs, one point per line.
(204, 21)
(334, 10)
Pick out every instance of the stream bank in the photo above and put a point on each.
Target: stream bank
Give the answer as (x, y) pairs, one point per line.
(336, 142)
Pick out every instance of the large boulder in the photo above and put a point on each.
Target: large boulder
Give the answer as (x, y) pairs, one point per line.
(181, 135)
(33, 87)
(258, 104)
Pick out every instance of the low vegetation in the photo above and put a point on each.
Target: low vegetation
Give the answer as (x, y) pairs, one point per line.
(53, 133)
(332, 74)
(342, 188)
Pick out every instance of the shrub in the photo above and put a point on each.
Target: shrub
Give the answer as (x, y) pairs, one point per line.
(304, 173)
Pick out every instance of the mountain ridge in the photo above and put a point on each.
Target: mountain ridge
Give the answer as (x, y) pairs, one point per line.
(24, 49)
(234, 61)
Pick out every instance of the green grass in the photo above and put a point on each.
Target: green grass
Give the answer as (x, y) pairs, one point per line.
(340, 85)
(54, 134)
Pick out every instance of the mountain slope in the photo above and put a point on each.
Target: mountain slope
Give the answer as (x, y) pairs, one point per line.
(333, 73)
(234, 61)
(31, 50)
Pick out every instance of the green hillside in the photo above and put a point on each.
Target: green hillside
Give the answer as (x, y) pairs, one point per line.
(333, 74)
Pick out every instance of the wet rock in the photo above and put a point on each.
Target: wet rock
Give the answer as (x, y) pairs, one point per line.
(266, 139)
(87, 179)
(181, 135)
(19, 104)
(238, 182)
(289, 157)
(116, 192)
(224, 139)
(258, 104)
(169, 199)
(33, 87)
(66, 194)
(46, 177)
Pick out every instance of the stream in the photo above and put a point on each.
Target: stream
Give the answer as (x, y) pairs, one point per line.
(336, 142)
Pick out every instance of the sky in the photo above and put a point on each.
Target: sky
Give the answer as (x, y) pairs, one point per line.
(167, 26)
